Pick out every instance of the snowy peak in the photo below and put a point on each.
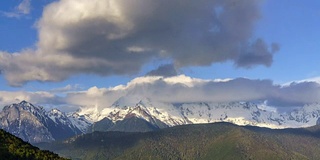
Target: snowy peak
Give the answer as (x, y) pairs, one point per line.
(30, 107)
(25, 103)
(130, 107)
(128, 100)
(55, 113)
(25, 121)
(308, 114)
(240, 113)
(58, 117)
(80, 121)
(34, 124)
(26, 106)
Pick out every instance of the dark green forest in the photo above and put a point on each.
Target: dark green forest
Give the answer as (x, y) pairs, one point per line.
(13, 148)
(201, 141)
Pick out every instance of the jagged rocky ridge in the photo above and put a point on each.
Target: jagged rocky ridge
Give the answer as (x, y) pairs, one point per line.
(34, 124)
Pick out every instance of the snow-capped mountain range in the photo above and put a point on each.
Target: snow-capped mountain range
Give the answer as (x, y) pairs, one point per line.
(35, 124)
(240, 113)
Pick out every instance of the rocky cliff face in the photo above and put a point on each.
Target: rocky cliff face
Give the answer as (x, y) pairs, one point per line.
(34, 124)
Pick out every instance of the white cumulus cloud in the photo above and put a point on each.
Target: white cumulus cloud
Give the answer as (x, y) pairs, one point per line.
(118, 37)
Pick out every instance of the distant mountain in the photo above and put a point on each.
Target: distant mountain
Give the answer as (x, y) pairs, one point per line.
(103, 125)
(59, 125)
(129, 124)
(13, 148)
(198, 141)
(34, 124)
(162, 115)
(133, 124)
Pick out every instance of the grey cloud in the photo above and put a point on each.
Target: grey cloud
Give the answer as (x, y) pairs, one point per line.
(181, 89)
(118, 37)
(257, 53)
(185, 32)
(167, 70)
(233, 90)
(296, 94)
(177, 89)
(275, 47)
(68, 88)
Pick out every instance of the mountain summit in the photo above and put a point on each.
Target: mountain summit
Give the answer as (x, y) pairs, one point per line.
(34, 124)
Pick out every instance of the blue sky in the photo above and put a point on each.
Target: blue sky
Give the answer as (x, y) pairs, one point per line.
(292, 24)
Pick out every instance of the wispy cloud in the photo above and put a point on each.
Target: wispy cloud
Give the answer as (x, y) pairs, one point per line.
(21, 10)
(66, 89)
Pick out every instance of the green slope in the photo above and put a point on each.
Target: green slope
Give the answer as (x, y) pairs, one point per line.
(204, 141)
(14, 148)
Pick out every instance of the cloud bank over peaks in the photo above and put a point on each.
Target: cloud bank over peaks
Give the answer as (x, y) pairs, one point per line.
(185, 89)
(118, 37)
(180, 89)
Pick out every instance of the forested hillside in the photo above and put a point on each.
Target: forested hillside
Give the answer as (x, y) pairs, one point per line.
(13, 148)
(202, 141)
